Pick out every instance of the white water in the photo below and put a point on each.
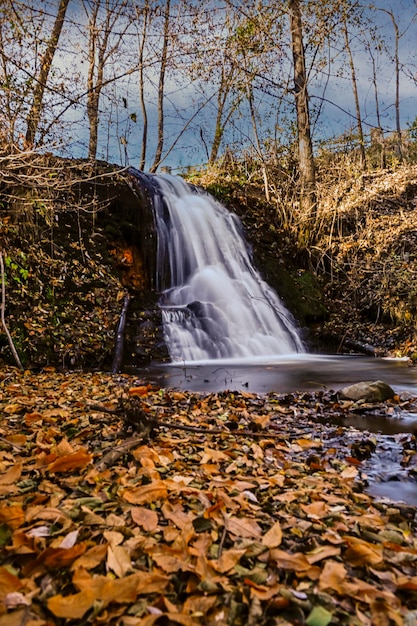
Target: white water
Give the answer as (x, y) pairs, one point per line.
(216, 306)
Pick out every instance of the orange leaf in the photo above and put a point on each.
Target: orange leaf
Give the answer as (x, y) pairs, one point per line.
(93, 557)
(315, 510)
(12, 475)
(273, 537)
(9, 583)
(55, 558)
(74, 606)
(145, 518)
(75, 460)
(228, 559)
(12, 515)
(31, 418)
(286, 560)
(361, 552)
(142, 390)
(332, 576)
(147, 493)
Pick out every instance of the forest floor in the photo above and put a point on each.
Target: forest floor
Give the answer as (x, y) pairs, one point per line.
(129, 505)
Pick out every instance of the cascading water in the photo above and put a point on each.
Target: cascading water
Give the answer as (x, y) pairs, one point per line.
(216, 305)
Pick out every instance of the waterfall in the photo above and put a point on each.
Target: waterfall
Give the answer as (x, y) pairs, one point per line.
(214, 303)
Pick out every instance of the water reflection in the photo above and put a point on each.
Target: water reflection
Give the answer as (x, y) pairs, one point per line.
(284, 374)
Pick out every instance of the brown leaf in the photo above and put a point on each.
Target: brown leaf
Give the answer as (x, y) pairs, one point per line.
(316, 510)
(118, 561)
(287, 560)
(93, 557)
(145, 494)
(145, 518)
(273, 537)
(244, 527)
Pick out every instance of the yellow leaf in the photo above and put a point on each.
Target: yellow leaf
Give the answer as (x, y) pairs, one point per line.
(273, 537)
(12, 409)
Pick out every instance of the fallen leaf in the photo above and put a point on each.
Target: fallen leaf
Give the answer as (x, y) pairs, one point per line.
(72, 606)
(273, 537)
(69, 462)
(146, 494)
(118, 561)
(145, 518)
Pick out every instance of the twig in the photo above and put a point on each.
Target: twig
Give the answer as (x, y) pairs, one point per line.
(3, 307)
(114, 455)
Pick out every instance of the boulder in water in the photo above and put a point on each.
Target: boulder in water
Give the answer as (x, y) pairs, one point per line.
(367, 391)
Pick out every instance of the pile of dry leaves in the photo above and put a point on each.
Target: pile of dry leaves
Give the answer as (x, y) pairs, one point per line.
(126, 505)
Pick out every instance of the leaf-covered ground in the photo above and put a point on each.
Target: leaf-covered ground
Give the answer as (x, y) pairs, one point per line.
(126, 505)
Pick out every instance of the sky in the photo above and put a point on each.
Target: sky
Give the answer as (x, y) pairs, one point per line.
(335, 97)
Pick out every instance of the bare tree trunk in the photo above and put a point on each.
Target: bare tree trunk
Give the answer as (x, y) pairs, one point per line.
(145, 12)
(305, 147)
(161, 90)
(380, 132)
(226, 84)
(355, 95)
(99, 52)
(39, 89)
(397, 85)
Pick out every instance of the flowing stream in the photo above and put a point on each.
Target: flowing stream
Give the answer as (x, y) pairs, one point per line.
(214, 303)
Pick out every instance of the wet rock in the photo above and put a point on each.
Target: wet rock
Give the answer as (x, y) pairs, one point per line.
(367, 391)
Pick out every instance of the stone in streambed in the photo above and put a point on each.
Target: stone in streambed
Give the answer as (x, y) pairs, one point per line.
(367, 391)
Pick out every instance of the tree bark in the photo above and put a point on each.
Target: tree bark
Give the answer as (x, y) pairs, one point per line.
(307, 168)
(161, 90)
